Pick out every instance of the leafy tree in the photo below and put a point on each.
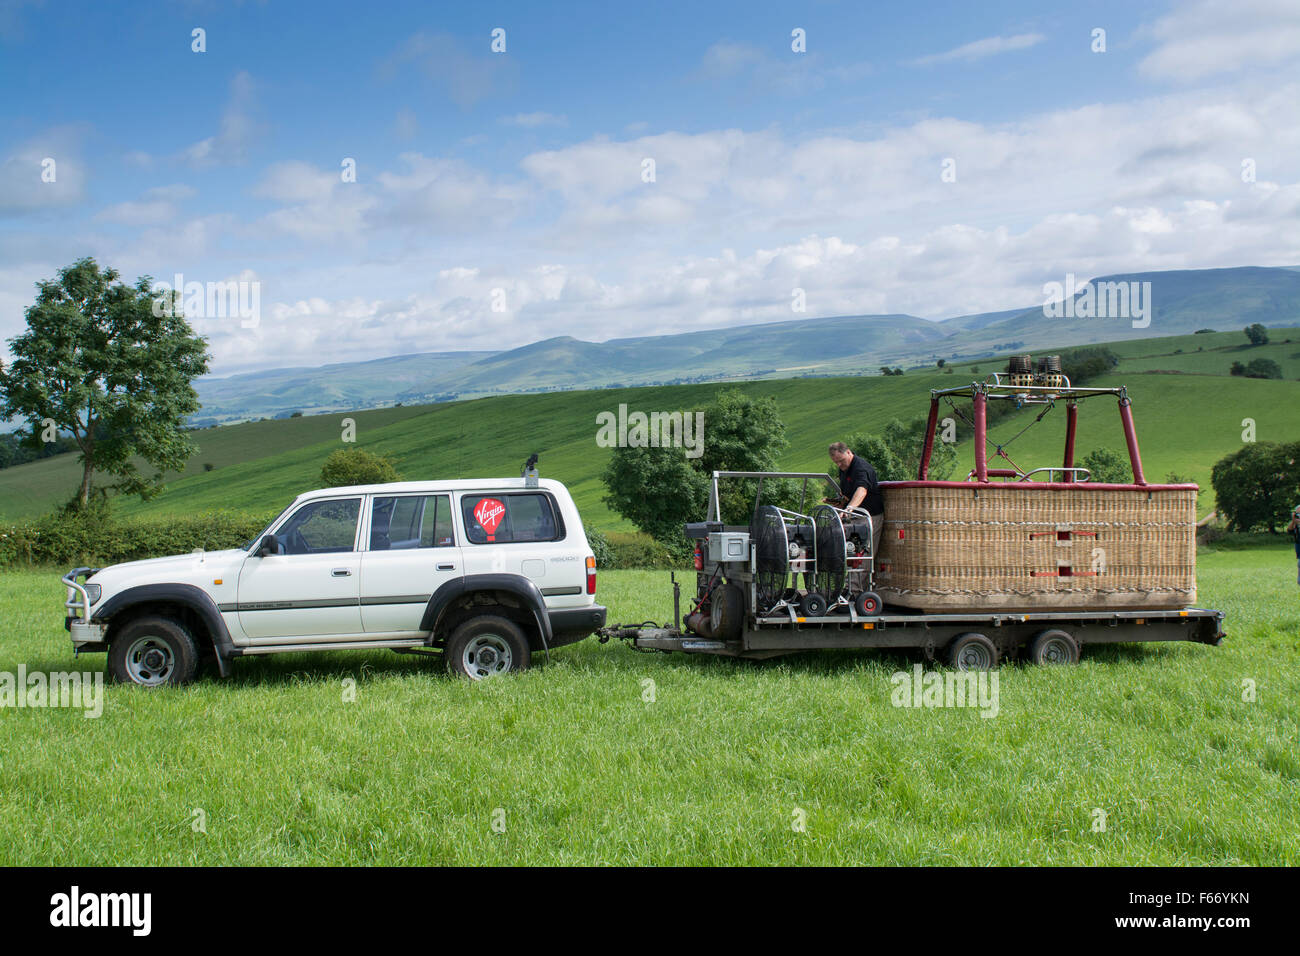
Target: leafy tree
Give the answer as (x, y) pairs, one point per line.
(907, 440)
(1108, 467)
(656, 489)
(101, 363)
(1258, 485)
(1263, 368)
(1202, 331)
(1080, 365)
(1257, 334)
(356, 466)
(941, 363)
(1237, 369)
(660, 489)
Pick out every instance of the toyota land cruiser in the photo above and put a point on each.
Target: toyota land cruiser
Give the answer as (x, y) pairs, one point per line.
(488, 571)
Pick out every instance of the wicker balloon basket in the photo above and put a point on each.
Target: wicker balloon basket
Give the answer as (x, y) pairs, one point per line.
(1029, 546)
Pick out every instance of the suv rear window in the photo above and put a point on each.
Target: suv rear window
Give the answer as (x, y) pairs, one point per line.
(505, 518)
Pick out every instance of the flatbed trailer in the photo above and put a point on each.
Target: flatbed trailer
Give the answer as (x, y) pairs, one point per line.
(1042, 561)
(1009, 632)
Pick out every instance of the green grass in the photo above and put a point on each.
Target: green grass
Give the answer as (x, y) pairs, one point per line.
(711, 772)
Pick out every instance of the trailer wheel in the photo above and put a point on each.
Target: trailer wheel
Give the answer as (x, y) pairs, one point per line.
(867, 603)
(812, 605)
(1054, 647)
(972, 652)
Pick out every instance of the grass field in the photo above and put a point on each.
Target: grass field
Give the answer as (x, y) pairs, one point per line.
(578, 768)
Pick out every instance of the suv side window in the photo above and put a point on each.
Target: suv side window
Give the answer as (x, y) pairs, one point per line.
(402, 522)
(322, 527)
(505, 518)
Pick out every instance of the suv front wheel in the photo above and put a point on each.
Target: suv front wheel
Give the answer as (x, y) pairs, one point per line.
(153, 651)
(486, 646)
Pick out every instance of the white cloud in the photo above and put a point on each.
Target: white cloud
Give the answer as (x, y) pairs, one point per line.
(979, 49)
(1200, 38)
(155, 207)
(25, 173)
(236, 133)
(534, 120)
(465, 77)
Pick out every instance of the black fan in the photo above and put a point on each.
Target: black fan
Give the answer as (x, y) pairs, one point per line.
(832, 554)
(771, 556)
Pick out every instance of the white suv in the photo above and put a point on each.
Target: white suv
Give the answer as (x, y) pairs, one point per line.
(489, 571)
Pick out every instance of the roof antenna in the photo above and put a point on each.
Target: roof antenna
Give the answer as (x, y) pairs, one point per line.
(529, 472)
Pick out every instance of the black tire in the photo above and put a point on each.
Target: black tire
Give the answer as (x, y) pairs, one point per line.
(487, 646)
(812, 605)
(727, 612)
(972, 652)
(868, 604)
(153, 651)
(1054, 647)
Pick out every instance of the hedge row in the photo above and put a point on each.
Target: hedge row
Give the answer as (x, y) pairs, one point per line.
(98, 539)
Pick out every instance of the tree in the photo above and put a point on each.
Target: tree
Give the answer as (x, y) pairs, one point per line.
(356, 466)
(1237, 369)
(1257, 334)
(1080, 365)
(656, 489)
(1107, 467)
(941, 363)
(1263, 368)
(660, 489)
(1258, 485)
(100, 362)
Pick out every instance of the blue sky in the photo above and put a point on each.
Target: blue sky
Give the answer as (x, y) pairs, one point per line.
(499, 196)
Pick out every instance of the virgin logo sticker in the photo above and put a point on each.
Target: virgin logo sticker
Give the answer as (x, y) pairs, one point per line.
(488, 513)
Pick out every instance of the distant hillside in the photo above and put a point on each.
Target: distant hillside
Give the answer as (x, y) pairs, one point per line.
(777, 349)
(329, 387)
(1187, 406)
(1182, 302)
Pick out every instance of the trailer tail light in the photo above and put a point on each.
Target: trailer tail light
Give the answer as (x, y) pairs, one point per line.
(699, 558)
(591, 575)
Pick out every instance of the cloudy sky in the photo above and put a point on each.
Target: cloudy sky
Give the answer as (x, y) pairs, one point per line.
(936, 159)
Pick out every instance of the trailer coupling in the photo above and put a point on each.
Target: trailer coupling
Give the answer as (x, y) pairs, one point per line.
(632, 632)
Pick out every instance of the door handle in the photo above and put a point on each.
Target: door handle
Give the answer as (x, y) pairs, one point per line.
(446, 567)
(341, 573)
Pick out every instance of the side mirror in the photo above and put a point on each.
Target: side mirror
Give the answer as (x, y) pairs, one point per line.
(269, 544)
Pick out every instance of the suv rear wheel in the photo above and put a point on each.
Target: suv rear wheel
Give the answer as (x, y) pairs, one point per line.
(486, 646)
(153, 651)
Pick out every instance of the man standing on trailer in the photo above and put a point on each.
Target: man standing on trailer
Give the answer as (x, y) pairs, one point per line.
(859, 488)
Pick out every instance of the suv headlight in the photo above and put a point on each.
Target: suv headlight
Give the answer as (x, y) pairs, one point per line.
(93, 592)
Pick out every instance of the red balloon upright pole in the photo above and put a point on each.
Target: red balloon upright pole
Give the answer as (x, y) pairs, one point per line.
(1130, 436)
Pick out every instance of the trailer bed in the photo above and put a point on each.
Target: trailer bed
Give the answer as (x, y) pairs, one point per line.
(773, 636)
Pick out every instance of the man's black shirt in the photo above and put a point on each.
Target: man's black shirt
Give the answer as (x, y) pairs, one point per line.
(860, 474)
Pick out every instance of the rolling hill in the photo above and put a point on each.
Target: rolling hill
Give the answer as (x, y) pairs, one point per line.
(1183, 302)
(1188, 410)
